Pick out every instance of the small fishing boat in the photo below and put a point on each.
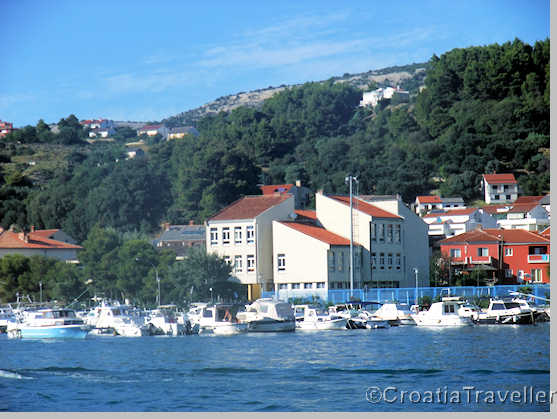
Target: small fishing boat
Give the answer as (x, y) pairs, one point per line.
(311, 318)
(268, 315)
(443, 313)
(220, 319)
(51, 323)
(505, 311)
(7, 316)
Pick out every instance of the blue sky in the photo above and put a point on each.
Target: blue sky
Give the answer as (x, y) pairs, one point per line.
(146, 60)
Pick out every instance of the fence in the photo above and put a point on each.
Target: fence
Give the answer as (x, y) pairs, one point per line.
(406, 295)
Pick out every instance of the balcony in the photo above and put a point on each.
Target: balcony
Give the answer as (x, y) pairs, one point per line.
(538, 258)
(481, 260)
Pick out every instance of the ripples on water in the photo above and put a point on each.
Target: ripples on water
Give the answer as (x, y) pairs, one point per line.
(301, 371)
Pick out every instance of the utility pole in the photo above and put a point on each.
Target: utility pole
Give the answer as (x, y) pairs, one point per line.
(349, 179)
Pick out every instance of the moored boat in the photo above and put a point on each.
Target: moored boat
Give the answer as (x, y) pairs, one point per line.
(268, 315)
(443, 313)
(505, 311)
(51, 323)
(220, 319)
(311, 318)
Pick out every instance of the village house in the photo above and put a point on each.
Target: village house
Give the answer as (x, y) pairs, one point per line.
(508, 256)
(301, 194)
(49, 243)
(152, 130)
(499, 188)
(181, 132)
(425, 204)
(180, 238)
(526, 214)
(242, 233)
(375, 96)
(5, 128)
(450, 223)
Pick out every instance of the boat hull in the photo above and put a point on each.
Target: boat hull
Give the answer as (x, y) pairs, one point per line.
(270, 325)
(509, 319)
(54, 332)
(225, 329)
(442, 321)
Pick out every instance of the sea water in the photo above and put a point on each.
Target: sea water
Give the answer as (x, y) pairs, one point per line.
(403, 368)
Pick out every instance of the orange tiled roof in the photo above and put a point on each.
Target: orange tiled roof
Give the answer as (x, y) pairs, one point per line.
(249, 207)
(500, 178)
(311, 214)
(523, 208)
(455, 212)
(528, 199)
(365, 207)
(318, 233)
(272, 189)
(36, 240)
(429, 199)
(494, 235)
(546, 232)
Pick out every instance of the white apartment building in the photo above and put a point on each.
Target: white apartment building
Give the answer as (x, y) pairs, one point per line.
(499, 188)
(242, 234)
(427, 203)
(454, 222)
(530, 217)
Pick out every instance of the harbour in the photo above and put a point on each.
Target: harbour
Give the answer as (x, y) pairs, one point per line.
(329, 370)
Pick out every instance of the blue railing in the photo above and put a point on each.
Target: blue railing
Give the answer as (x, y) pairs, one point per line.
(406, 295)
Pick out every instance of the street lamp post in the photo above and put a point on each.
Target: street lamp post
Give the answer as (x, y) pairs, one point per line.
(41, 292)
(349, 180)
(416, 297)
(211, 290)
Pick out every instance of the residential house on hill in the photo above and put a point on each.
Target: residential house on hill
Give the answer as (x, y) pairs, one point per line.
(425, 204)
(242, 233)
(49, 243)
(375, 96)
(499, 188)
(302, 195)
(152, 130)
(180, 238)
(510, 256)
(527, 214)
(5, 128)
(180, 132)
(443, 224)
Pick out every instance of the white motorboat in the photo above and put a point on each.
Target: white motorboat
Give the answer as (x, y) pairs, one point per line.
(396, 314)
(505, 312)
(220, 319)
(7, 316)
(163, 321)
(443, 313)
(51, 323)
(115, 319)
(311, 318)
(268, 315)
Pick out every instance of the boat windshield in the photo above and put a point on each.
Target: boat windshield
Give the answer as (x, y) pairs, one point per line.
(512, 305)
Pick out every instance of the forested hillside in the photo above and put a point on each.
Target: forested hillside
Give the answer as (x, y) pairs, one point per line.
(483, 109)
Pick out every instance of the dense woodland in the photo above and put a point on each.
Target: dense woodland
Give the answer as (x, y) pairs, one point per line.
(483, 109)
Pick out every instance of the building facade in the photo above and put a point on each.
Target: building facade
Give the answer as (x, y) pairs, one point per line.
(512, 256)
(499, 188)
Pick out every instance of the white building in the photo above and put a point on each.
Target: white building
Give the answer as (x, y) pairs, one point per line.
(530, 216)
(454, 222)
(499, 188)
(242, 233)
(372, 98)
(426, 203)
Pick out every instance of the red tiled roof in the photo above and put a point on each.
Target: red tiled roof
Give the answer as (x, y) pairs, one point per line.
(546, 232)
(249, 207)
(272, 189)
(429, 199)
(318, 233)
(36, 240)
(523, 208)
(455, 212)
(150, 127)
(311, 214)
(528, 199)
(500, 178)
(494, 234)
(364, 207)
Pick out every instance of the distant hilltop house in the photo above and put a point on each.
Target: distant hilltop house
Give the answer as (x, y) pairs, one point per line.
(374, 97)
(301, 194)
(49, 243)
(152, 130)
(426, 203)
(135, 152)
(5, 128)
(99, 127)
(499, 188)
(180, 132)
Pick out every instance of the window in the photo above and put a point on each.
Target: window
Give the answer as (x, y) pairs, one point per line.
(308, 285)
(296, 286)
(238, 264)
(332, 261)
(250, 234)
(320, 285)
(372, 227)
(382, 260)
(250, 263)
(381, 232)
(449, 308)
(341, 261)
(508, 273)
(390, 259)
(281, 262)
(508, 252)
(226, 235)
(214, 235)
(397, 261)
(483, 251)
(374, 260)
(237, 235)
(496, 197)
(283, 286)
(389, 233)
(536, 275)
(227, 259)
(455, 253)
(508, 197)
(397, 233)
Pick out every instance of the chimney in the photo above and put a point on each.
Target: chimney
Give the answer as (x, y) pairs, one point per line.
(32, 229)
(23, 237)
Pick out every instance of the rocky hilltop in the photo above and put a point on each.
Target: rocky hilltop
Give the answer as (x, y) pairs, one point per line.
(408, 77)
